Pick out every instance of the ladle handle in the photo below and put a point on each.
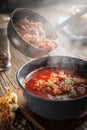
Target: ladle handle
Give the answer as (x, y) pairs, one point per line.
(70, 19)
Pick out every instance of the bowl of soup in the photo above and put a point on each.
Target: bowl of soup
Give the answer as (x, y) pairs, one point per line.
(55, 87)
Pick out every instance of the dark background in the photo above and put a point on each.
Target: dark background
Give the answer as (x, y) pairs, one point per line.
(10, 5)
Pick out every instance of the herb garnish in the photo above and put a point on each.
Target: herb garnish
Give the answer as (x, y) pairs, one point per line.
(73, 93)
(68, 81)
(50, 83)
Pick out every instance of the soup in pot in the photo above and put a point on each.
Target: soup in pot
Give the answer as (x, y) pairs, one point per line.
(56, 83)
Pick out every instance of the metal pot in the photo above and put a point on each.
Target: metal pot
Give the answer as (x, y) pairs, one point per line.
(54, 109)
(21, 45)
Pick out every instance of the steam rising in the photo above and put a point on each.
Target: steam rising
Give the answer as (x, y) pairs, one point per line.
(73, 37)
(69, 41)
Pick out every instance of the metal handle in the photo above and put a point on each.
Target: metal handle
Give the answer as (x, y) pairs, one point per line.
(71, 19)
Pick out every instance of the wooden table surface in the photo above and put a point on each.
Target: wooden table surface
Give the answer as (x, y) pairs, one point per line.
(67, 47)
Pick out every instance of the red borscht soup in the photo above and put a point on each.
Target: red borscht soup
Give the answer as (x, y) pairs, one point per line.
(56, 83)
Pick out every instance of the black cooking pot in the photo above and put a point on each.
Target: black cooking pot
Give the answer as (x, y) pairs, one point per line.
(54, 109)
(21, 45)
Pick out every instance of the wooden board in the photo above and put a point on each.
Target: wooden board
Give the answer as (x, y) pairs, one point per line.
(44, 124)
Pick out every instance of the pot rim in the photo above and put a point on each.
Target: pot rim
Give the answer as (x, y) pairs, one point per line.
(41, 98)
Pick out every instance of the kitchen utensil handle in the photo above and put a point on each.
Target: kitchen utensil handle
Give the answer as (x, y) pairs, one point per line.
(59, 27)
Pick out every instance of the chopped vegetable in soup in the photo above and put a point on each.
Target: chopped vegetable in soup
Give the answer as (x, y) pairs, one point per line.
(56, 83)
